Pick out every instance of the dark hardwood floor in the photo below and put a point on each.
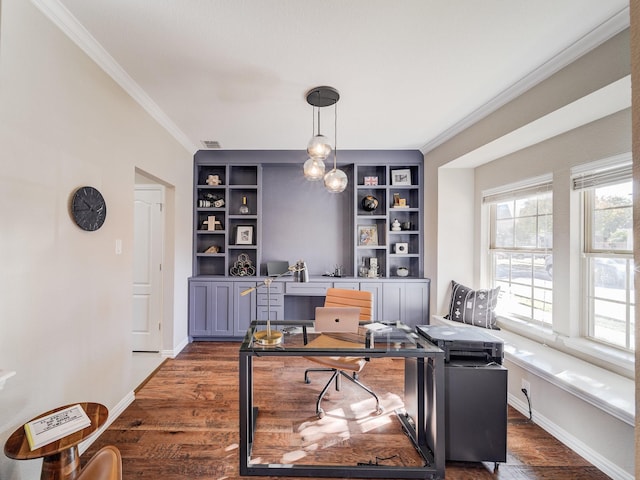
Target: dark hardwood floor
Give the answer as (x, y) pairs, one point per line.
(184, 423)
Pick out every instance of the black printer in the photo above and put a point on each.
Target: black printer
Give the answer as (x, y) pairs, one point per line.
(475, 431)
(464, 343)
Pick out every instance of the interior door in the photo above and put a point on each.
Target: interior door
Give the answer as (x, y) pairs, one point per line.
(147, 268)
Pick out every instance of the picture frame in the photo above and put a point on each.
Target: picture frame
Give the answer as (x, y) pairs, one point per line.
(401, 177)
(244, 235)
(370, 181)
(367, 235)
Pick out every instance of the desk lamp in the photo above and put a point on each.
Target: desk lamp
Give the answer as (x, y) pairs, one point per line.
(269, 337)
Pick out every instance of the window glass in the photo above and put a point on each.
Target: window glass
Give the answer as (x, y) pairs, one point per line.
(608, 264)
(612, 218)
(522, 265)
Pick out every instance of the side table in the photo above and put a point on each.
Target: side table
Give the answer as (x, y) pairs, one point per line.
(61, 460)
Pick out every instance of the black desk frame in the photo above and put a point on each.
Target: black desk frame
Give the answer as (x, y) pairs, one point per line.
(424, 404)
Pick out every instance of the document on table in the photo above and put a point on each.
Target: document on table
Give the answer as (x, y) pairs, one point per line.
(55, 426)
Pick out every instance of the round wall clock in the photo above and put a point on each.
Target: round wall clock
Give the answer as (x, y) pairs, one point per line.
(88, 208)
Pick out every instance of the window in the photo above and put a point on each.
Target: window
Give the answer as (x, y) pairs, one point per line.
(521, 239)
(608, 256)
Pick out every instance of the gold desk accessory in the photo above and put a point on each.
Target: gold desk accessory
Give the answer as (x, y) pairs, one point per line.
(271, 337)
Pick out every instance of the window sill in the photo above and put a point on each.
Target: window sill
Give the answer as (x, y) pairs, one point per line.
(611, 392)
(592, 352)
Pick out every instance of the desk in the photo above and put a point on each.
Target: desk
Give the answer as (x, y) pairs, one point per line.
(60, 458)
(424, 400)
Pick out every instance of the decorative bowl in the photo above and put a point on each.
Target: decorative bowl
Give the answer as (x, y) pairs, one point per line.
(402, 271)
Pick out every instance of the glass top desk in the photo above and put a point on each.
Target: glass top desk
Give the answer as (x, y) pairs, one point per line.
(422, 418)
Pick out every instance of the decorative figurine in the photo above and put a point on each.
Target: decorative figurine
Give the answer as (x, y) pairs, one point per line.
(369, 203)
(395, 226)
(213, 180)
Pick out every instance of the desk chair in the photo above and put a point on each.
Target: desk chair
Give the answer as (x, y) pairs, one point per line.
(339, 366)
(106, 464)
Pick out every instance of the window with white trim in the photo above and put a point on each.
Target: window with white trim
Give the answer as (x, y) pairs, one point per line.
(607, 265)
(521, 247)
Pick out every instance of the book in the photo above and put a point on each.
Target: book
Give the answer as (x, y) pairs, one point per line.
(55, 426)
(377, 327)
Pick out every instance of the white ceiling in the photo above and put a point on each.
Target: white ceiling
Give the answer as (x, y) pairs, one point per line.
(409, 72)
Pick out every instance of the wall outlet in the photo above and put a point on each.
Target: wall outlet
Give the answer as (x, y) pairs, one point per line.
(526, 386)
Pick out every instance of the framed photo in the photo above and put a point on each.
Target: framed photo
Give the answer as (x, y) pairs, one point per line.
(401, 177)
(367, 235)
(244, 235)
(371, 180)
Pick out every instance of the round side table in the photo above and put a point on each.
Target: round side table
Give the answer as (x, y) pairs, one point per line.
(60, 458)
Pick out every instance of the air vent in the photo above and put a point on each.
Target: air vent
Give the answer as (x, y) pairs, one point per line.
(211, 143)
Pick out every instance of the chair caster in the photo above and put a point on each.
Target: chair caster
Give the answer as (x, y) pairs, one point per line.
(320, 414)
(379, 411)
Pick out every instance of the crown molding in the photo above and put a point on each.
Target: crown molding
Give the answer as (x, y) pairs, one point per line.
(65, 21)
(606, 30)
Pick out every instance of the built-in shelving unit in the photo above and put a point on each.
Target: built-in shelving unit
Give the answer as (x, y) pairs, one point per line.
(219, 192)
(398, 192)
(289, 219)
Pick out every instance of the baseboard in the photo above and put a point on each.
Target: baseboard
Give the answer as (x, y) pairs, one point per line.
(114, 413)
(589, 454)
(176, 350)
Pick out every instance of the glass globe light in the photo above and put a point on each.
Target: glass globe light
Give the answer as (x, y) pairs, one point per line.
(319, 147)
(313, 169)
(335, 181)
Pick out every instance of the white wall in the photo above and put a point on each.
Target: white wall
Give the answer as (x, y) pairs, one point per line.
(609, 440)
(595, 430)
(65, 296)
(456, 194)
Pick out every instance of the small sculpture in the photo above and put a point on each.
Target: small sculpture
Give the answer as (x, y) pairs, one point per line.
(369, 203)
(243, 267)
(213, 180)
(395, 226)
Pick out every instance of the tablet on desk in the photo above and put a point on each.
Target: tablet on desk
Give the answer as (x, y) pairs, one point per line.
(337, 319)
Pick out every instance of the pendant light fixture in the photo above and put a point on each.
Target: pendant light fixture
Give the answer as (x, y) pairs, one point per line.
(319, 148)
(336, 180)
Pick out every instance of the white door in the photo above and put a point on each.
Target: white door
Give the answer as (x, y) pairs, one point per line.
(147, 268)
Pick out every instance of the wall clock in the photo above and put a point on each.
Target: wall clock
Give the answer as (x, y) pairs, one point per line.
(88, 208)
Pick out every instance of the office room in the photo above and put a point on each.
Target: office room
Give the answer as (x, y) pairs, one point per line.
(90, 98)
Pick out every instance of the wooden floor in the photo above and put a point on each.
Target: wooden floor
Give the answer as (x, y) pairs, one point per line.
(184, 423)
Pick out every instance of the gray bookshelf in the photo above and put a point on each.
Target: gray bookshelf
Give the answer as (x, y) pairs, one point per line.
(290, 219)
(235, 183)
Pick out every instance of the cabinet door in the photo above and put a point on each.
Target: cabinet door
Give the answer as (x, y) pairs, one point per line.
(376, 290)
(244, 308)
(405, 301)
(221, 311)
(199, 307)
(276, 313)
(392, 302)
(416, 309)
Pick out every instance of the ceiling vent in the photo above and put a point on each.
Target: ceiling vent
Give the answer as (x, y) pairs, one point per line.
(211, 144)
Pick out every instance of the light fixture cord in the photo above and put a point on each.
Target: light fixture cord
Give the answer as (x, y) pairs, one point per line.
(335, 136)
(318, 120)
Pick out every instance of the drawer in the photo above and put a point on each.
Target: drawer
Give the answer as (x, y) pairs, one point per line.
(315, 289)
(276, 300)
(276, 287)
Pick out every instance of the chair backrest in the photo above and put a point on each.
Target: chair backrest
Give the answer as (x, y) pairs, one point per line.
(106, 464)
(340, 297)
